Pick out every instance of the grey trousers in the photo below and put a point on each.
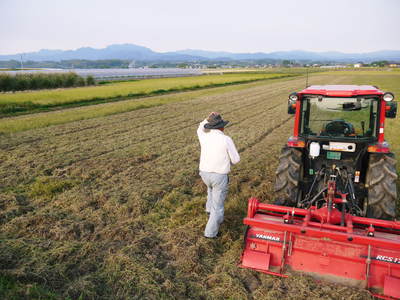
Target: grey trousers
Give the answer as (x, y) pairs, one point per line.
(217, 189)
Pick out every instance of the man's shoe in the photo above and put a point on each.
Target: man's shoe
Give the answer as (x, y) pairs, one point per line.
(213, 237)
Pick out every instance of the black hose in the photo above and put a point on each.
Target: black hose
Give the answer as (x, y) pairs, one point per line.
(317, 195)
(307, 197)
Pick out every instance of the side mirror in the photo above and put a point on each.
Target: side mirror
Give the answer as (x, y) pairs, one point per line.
(291, 109)
(391, 109)
(293, 97)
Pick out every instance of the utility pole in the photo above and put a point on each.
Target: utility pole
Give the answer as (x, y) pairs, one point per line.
(307, 77)
(22, 66)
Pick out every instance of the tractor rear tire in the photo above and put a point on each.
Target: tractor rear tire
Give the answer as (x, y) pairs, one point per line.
(288, 175)
(382, 190)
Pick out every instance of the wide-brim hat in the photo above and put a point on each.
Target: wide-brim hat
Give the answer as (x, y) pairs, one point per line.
(215, 122)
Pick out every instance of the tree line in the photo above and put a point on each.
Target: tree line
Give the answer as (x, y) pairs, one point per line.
(21, 82)
(67, 64)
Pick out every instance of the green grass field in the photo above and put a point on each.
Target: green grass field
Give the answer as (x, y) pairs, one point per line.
(41, 100)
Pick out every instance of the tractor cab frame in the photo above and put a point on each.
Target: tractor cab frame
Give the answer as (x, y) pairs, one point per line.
(346, 99)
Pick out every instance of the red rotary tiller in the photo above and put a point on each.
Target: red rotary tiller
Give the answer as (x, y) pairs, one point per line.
(336, 194)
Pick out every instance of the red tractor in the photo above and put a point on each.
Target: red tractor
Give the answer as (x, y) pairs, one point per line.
(335, 194)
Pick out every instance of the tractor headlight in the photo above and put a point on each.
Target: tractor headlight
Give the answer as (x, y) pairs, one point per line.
(293, 97)
(388, 97)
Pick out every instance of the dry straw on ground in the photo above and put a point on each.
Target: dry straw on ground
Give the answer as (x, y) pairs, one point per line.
(113, 207)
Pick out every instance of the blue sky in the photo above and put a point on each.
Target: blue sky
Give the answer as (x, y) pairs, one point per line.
(222, 25)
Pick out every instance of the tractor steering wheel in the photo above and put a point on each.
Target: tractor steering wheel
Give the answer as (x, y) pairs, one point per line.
(339, 127)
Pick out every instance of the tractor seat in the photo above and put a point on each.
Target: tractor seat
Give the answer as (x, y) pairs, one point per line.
(338, 128)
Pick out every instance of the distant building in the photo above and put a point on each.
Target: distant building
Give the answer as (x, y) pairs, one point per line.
(358, 65)
(334, 67)
(393, 64)
(132, 64)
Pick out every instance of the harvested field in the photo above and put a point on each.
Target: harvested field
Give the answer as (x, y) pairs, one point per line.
(112, 207)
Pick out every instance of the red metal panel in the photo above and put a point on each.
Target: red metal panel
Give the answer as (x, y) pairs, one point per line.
(328, 258)
(342, 90)
(297, 117)
(256, 260)
(381, 126)
(392, 287)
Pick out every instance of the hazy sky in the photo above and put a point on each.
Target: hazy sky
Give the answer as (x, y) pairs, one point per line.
(228, 25)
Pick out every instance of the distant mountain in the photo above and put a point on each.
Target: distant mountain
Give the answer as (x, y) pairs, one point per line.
(300, 55)
(205, 54)
(140, 53)
(367, 57)
(123, 51)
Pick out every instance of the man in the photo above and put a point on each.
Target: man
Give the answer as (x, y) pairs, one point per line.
(217, 153)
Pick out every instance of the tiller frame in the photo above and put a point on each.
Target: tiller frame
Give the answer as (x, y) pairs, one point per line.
(326, 243)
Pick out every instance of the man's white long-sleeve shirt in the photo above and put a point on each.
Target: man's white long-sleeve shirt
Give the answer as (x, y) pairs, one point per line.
(217, 150)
